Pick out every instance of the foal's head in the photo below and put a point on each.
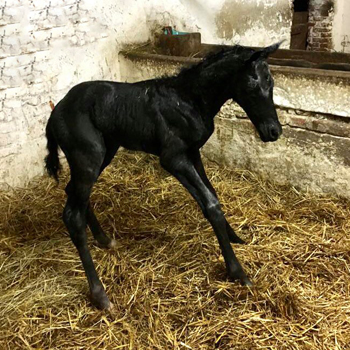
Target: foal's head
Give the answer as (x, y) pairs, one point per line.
(253, 91)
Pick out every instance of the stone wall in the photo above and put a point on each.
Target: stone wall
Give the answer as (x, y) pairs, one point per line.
(313, 107)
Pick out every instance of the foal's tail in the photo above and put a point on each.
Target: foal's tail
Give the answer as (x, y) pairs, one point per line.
(52, 163)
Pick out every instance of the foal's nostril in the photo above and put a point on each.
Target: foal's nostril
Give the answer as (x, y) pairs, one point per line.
(274, 133)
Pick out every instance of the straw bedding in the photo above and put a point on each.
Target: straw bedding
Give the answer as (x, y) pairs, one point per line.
(166, 277)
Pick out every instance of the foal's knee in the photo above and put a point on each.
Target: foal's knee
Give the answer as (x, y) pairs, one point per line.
(213, 210)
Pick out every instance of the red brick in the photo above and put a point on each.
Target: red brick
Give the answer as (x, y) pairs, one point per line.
(299, 121)
(327, 47)
(320, 18)
(323, 30)
(322, 40)
(326, 35)
(325, 25)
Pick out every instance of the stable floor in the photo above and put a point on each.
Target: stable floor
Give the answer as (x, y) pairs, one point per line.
(166, 277)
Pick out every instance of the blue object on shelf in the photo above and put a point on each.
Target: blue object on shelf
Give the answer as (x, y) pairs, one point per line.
(171, 31)
(175, 32)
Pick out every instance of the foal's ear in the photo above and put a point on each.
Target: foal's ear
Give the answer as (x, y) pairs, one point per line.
(271, 49)
(263, 53)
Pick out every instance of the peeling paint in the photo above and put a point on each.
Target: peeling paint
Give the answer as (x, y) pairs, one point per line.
(254, 21)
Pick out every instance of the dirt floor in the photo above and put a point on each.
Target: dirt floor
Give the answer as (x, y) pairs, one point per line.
(166, 276)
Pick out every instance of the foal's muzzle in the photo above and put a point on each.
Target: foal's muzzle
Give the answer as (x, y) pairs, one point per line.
(270, 132)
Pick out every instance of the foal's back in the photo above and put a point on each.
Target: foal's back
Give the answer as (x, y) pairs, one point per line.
(139, 116)
(119, 112)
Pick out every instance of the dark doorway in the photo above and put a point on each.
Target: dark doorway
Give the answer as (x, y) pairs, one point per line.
(300, 25)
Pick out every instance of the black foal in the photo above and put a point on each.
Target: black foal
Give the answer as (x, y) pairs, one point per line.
(170, 117)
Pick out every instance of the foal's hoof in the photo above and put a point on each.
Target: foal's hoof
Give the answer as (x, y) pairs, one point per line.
(233, 237)
(242, 278)
(237, 240)
(112, 243)
(246, 282)
(100, 300)
(108, 245)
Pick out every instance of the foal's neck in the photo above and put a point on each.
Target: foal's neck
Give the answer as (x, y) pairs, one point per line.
(212, 95)
(212, 86)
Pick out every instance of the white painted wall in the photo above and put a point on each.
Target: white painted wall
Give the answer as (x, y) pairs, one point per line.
(341, 25)
(49, 46)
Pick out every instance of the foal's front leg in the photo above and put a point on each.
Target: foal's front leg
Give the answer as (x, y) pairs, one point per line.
(197, 162)
(182, 167)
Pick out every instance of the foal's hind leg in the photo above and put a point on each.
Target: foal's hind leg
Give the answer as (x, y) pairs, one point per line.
(84, 172)
(102, 239)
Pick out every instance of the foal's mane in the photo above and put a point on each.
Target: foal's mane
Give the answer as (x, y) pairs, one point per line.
(234, 54)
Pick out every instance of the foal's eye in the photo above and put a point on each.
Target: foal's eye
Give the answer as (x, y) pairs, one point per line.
(252, 83)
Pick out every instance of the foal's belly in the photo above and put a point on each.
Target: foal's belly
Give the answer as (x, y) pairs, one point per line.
(138, 134)
(148, 146)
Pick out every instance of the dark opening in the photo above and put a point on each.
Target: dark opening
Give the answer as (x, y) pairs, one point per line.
(300, 25)
(301, 5)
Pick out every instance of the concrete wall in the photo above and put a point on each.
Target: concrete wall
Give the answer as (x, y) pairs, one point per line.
(49, 46)
(313, 153)
(313, 90)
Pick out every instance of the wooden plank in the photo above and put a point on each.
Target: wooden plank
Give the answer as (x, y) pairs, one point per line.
(311, 56)
(300, 17)
(299, 37)
(180, 45)
(311, 72)
(274, 68)
(308, 64)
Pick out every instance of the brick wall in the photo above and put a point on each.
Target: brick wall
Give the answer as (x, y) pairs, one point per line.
(38, 42)
(48, 46)
(321, 13)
